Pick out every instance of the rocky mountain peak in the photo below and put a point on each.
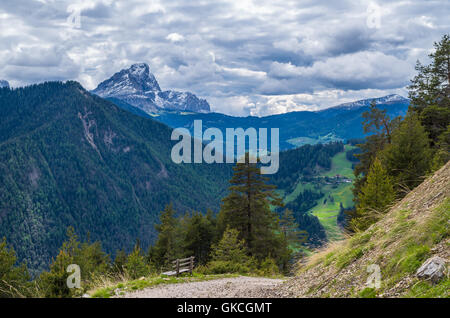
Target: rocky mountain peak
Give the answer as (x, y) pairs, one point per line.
(138, 87)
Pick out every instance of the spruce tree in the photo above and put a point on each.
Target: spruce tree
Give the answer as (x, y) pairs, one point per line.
(376, 195)
(166, 248)
(247, 209)
(136, 266)
(290, 230)
(408, 157)
(89, 256)
(230, 248)
(380, 128)
(442, 154)
(199, 233)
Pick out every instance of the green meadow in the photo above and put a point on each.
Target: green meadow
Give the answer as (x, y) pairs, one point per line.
(327, 208)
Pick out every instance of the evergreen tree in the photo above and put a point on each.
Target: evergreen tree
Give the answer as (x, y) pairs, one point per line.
(408, 157)
(14, 280)
(442, 154)
(230, 248)
(290, 230)
(376, 195)
(167, 246)
(380, 127)
(119, 262)
(376, 121)
(430, 91)
(136, 266)
(247, 209)
(91, 259)
(54, 282)
(199, 234)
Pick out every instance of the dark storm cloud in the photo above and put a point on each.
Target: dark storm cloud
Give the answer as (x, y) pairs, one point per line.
(243, 56)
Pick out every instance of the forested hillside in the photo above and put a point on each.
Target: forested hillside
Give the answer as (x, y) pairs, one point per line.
(69, 158)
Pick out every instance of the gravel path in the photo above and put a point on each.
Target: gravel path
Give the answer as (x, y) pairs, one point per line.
(252, 287)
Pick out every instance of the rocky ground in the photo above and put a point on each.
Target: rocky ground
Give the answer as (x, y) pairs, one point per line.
(237, 287)
(414, 232)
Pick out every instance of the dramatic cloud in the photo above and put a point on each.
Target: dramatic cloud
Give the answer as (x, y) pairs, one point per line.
(245, 57)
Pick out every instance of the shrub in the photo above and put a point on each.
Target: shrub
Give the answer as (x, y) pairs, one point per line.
(13, 279)
(135, 265)
(268, 267)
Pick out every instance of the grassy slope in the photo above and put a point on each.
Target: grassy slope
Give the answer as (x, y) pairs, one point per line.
(415, 229)
(327, 212)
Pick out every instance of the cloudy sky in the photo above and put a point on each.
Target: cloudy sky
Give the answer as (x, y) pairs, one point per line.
(245, 57)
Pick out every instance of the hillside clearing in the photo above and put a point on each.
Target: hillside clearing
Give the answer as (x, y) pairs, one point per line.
(327, 208)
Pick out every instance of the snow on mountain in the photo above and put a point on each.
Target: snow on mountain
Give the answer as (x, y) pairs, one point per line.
(389, 99)
(4, 83)
(138, 87)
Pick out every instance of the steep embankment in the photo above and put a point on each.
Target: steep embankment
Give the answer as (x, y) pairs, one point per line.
(415, 229)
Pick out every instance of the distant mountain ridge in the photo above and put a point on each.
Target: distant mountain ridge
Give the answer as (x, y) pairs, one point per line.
(385, 100)
(338, 123)
(138, 87)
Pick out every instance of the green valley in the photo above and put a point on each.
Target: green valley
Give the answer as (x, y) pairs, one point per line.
(335, 184)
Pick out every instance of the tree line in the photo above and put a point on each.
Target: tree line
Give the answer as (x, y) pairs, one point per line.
(399, 153)
(246, 236)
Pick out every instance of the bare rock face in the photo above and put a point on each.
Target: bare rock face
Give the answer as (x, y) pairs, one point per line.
(433, 269)
(137, 86)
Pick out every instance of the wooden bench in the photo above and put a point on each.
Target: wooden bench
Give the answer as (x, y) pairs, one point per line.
(180, 266)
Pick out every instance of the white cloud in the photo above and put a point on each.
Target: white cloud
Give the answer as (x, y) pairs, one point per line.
(244, 72)
(245, 57)
(175, 37)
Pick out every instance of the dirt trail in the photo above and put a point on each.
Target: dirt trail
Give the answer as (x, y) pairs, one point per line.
(252, 287)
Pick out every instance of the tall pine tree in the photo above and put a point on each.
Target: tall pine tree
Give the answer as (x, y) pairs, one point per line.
(247, 209)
